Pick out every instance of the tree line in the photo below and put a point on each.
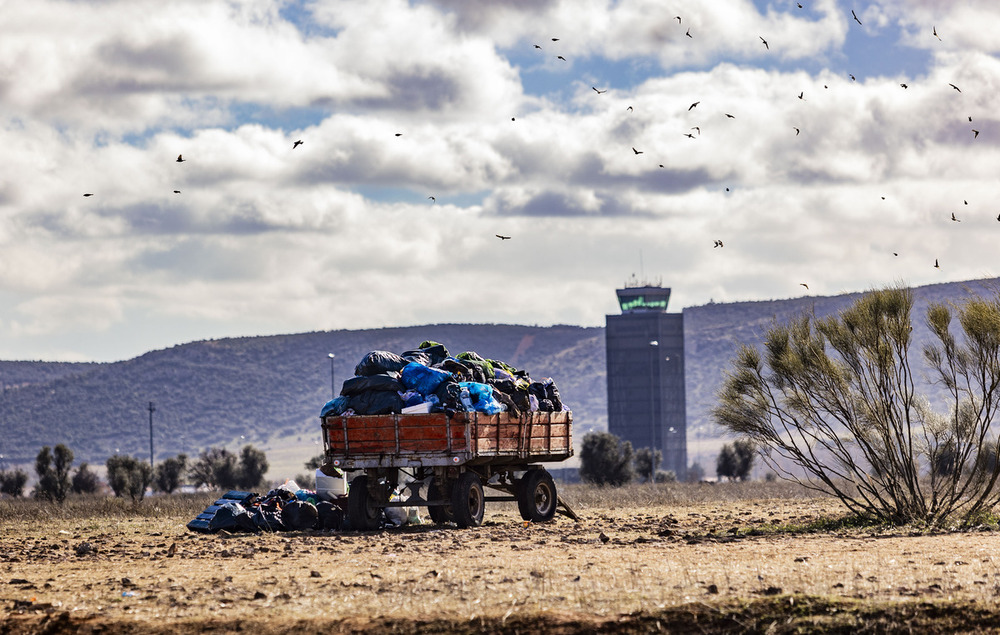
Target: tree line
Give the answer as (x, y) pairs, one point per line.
(128, 476)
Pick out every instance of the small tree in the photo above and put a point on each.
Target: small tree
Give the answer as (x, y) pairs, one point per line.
(52, 468)
(837, 400)
(12, 482)
(735, 461)
(130, 476)
(606, 460)
(168, 474)
(216, 468)
(253, 466)
(647, 461)
(725, 463)
(85, 480)
(695, 473)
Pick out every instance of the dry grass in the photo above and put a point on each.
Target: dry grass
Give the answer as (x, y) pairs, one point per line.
(698, 558)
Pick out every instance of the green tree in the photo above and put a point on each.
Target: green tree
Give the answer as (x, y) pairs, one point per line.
(85, 480)
(647, 461)
(52, 468)
(833, 404)
(253, 466)
(606, 460)
(12, 482)
(168, 474)
(216, 468)
(735, 460)
(128, 475)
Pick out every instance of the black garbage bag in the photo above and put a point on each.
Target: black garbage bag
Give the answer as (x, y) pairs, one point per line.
(298, 515)
(330, 517)
(356, 385)
(449, 395)
(376, 402)
(231, 517)
(417, 356)
(552, 394)
(380, 362)
(456, 367)
(537, 389)
(268, 516)
(506, 400)
(437, 352)
(545, 405)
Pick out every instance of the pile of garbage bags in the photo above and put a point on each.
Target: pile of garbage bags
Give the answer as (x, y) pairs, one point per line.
(286, 508)
(429, 379)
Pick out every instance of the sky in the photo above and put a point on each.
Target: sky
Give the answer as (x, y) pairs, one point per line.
(613, 142)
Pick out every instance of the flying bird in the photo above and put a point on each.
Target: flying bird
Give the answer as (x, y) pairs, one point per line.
(799, 4)
(802, 95)
(432, 198)
(399, 134)
(561, 57)
(689, 135)
(629, 109)
(803, 284)
(904, 85)
(537, 47)
(853, 78)
(502, 237)
(855, 17)
(180, 158)
(955, 87)
(895, 254)
(599, 92)
(88, 194)
(689, 33)
(555, 39)
(177, 191)
(975, 133)
(954, 219)
(662, 166)
(697, 128)
(935, 33)
(797, 131)
(637, 151)
(296, 144)
(936, 265)
(730, 116)
(678, 18)
(718, 243)
(765, 43)
(693, 105)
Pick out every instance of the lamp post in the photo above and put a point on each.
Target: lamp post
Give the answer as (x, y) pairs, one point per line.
(151, 410)
(654, 348)
(333, 382)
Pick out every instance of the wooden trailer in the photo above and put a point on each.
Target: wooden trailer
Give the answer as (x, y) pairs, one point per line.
(444, 462)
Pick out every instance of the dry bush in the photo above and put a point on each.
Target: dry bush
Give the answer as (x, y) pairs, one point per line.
(663, 494)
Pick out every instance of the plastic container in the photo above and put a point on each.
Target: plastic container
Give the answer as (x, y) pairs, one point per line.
(330, 487)
(419, 408)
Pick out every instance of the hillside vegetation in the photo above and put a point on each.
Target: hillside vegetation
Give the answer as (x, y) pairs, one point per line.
(258, 389)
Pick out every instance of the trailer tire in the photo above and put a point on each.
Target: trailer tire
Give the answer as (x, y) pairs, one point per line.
(440, 514)
(467, 501)
(536, 496)
(362, 511)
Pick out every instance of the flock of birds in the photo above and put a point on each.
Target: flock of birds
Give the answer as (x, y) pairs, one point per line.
(695, 129)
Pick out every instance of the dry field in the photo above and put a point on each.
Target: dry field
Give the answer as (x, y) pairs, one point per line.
(729, 558)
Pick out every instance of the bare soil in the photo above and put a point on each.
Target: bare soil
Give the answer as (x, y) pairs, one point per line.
(716, 566)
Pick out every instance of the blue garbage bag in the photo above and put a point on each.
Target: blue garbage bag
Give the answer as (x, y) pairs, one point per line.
(482, 397)
(423, 379)
(335, 406)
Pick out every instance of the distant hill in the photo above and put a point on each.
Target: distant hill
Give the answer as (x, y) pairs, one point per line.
(263, 389)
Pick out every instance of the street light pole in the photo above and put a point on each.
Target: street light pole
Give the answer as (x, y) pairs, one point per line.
(152, 409)
(654, 348)
(333, 382)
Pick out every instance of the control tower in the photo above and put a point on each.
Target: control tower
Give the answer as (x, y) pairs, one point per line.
(645, 357)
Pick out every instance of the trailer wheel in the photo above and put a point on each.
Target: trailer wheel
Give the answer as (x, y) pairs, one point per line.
(362, 510)
(467, 501)
(536, 496)
(440, 514)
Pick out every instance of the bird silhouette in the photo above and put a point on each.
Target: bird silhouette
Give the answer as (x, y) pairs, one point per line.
(936, 265)
(600, 92)
(537, 47)
(895, 253)
(180, 158)
(432, 198)
(954, 219)
(561, 57)
(697, 128)
(904, 85)
(555, 39)
(88, 194)
(689, 33)
(797, 131)
(730, 116)
(502, 237)
(853, 78)
(803, 284)
(177, 191)
(678, 18)
(399, 134)
(955, 87)
(975, 133)
(802, 95)
(765, 43)
(689, 135)
(855, 17)
(296, 144)
(718, 243)
(935, 33)
(637, 151)
(662, 166)
(693, 105)
(629, 109)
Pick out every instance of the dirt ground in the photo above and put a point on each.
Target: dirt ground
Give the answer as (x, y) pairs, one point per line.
(706, 567)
